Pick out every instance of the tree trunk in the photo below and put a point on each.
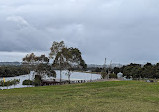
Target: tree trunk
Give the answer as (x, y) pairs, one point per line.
(60, 75)
(69, 78)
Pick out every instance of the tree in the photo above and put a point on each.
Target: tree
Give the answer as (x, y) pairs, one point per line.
(29, 58)
(66, 58)
(56, 48)
(57, 56)
(116, 70)
(40, 64)
(156, 67)
(148, 70)
(133, 70)
(74, 61)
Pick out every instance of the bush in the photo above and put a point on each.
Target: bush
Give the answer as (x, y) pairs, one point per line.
(112, 75)
(36, 82)
(10, 82)
(28, 82)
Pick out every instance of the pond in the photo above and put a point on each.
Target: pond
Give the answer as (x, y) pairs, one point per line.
(74, 76)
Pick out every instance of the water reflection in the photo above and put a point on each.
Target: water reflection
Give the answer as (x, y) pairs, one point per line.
(74, 76)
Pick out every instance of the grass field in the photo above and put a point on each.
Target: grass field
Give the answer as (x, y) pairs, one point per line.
(124, 96)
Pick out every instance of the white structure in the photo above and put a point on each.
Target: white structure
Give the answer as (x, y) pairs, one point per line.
(120, 75)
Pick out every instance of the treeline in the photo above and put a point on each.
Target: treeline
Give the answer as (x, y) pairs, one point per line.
(11, 71)
(140, 71)
(135, 70)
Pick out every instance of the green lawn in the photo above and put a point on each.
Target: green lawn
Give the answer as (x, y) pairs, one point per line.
(124, 96)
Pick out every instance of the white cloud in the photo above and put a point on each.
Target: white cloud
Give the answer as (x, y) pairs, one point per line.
(18, 19)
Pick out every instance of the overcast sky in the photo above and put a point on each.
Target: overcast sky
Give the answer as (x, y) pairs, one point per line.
(123, 31)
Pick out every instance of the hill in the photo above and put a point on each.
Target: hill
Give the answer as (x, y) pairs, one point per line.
(117, 96)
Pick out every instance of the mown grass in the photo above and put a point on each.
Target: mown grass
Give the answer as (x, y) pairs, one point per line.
(124, 96)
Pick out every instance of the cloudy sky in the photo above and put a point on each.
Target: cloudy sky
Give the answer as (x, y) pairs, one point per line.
(122, 30)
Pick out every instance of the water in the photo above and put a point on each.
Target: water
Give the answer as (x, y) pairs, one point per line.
(20, 85)
(78, 76)
(74, 76)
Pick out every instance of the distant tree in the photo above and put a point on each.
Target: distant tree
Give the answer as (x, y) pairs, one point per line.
(148, 70)
(11, 71)
(133, 70)
(156, 67)
(29, 59)
(116, 70)
(40, 64)
(97, 69)
(113, 75)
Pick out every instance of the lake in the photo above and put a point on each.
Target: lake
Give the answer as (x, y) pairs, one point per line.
(74, 76)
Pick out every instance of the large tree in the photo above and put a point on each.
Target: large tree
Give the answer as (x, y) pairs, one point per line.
(66, 58)
(74, 61)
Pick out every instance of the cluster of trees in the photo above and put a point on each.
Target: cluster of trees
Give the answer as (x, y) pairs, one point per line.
(11, 71)
(139, 71)
(60, 58)
(135, 70)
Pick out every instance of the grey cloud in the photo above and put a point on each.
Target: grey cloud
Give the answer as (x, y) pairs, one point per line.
(121, 30)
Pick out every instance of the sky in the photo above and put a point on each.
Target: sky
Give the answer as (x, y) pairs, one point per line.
(123, 31)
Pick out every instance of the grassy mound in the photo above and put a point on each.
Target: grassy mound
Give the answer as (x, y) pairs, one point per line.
(124, 96)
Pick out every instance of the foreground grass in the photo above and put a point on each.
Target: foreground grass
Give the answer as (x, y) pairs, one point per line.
(124, 96)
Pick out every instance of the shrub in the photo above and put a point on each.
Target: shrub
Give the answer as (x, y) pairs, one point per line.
(10, 82)
(112, 75)
(28, 82)
(36, 81)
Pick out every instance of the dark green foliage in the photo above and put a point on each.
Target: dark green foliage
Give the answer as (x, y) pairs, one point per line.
(116, 70)
(156, 75)
(112, 75)
(133, 70)
(45, 69)
(28, 82)
(36, 82)
(97, 70)
(9, 83)
(38, 77)
(138, 71)
(11, 71)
